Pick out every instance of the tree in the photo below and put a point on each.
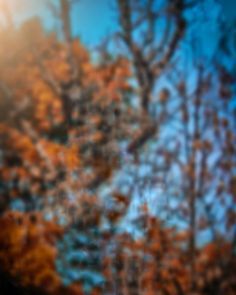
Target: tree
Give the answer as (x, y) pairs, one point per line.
(82, 141)
(57, 157)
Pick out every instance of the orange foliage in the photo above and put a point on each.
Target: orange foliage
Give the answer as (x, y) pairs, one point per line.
(27, 249)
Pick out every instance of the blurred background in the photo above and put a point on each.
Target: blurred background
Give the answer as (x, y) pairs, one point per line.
(117, 147)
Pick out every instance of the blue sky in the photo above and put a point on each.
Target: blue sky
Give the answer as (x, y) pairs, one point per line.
(95, 19)
(92, 20)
